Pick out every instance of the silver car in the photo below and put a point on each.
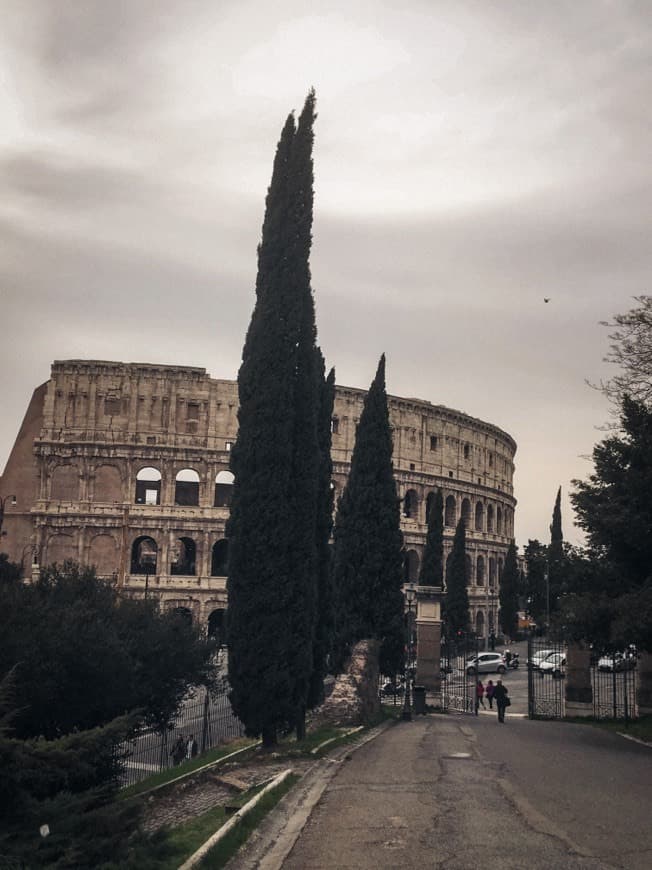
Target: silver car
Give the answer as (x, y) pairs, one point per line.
(486, 663)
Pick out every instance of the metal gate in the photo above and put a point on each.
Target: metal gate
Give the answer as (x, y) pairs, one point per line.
(546, 664)
(458, 687)
(613, 678)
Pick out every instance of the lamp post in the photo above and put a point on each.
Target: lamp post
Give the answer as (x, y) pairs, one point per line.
(410, 597)
(547, 579)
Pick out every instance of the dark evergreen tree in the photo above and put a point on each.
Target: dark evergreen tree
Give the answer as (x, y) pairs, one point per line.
(432, 565)
(368, 557)
(536, 560)
(272, 581)
(508, 594)
(324, 629)
(456, 599)
(556, 556)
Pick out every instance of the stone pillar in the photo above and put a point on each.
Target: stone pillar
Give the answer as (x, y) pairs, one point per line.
(579, 692)
(644, 687)
(429, 638)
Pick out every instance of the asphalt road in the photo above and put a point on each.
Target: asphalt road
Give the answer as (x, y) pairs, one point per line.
(456, 792)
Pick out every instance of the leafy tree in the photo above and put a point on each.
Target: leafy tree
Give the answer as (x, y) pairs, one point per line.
(273, 561)
(9, 571)
(432, 565)
(556, 561)
(508, 595)
(631, 351)
(82, 655)
(456, 598)
(536, 560)
(368, 540)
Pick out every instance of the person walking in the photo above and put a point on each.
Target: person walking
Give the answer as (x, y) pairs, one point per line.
(479, 697)
(489, 692)
(502, 699)
(191, 747)
(178, 750)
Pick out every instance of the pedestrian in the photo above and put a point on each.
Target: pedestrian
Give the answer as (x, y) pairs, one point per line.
(508, 656)
(479, 697)
(178, 750)
(502, 699)
(191, 747)
(489, 692)
(492, 641)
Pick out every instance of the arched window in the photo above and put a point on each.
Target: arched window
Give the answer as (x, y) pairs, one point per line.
(148, 486)
(479, 517)
(60, 548)
(216, 626)
(144, 553)
(410, 504)
(479, 623)
(466, 512)
(499, 520)
(183, 613)
(186, 488)
(64, 485)
(183, 557)
(223, 488)
(411, 566)
(450, 512)
(108, 485)
(490, 518)
(220, 558)
(492, 571)
(479, 571)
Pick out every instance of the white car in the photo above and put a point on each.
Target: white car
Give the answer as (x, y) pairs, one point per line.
(617, 661)
(553, 664)
(539, 657)
(486, 663)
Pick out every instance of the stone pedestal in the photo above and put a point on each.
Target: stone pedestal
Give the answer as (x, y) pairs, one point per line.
(429, 638)
(579, 692)
(644, 687)
(354, 698)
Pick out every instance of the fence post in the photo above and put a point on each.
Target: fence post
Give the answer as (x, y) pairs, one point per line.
(204, 731)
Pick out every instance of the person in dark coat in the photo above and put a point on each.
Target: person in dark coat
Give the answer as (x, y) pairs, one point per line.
(489, 692)
(178, 750)
(501, 698)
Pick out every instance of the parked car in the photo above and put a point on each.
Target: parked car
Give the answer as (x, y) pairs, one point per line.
(554, 664)
(619, 661)
(486, 663)
(538, 657)
(390, 689)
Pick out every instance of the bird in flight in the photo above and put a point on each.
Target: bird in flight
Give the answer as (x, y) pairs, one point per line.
(546, 299)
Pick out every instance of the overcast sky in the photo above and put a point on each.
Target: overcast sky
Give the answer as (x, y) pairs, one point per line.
(471, 158)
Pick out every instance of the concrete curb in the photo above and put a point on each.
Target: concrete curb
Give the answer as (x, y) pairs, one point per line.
(215, 838)
(333, 739)
(634, 739)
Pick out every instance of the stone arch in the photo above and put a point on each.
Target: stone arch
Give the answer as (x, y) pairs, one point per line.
(479, 517)
(220, 558)
(148, 486)
(184, 613)
(492, 570)
(107, 486)
(490, 518)
(103, 554)
(183, 558)
(479, 571)
(499, 520)
(64, 483)
(479, 623)
(450, 512)
(217, 625)
(186, 488)
(411, 566)
(466, 513)
(60, 548)
(411, 505)
(223, 488)
(144, 555)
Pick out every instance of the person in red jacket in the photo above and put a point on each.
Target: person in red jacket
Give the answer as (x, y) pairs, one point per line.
(479, 696)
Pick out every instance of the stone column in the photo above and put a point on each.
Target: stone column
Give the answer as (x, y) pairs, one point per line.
(644, 687)
(579, 692)
(429, 638)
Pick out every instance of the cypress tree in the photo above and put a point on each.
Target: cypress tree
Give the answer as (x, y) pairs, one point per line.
(368, 540)
(432, 566)
(556, 555)
(275, 460)
(508, 594)
(456, 599)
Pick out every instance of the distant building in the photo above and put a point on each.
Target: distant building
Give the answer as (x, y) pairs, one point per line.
(126, 466)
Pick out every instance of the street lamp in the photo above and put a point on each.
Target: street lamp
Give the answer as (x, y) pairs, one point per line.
(410, 598)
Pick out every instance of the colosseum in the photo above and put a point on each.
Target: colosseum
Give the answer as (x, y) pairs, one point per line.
(126, 466)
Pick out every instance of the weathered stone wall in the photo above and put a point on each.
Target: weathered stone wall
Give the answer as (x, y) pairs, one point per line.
(354, 698)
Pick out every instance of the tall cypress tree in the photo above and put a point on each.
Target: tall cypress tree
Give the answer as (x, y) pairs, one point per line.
(508, 593)
(456, 599)
(368, 540)
(432, 566)
(275, 460)
(556, 555)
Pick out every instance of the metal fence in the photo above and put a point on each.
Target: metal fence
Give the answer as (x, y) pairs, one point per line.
(613, 679)
(459, 678)
(205, 716)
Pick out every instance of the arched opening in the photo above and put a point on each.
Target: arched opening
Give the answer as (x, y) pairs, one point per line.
(217, 626)
(220, 558)
(466, 513)
(479, 623)
(183, 613)
(183, 557)
(469, 569)
(450, 512)
(107, 485)
(410, 504)
(144, 553)
(499, 521)
(479, 571)
(60, 549)
(64, 483)
(148, 486)
(492, 571)
(490, 518)
(479, 517)
(223, 488)
(186, 488)
(411, 566)
(103, 554)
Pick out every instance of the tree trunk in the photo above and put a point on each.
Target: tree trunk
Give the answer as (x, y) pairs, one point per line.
(269, 737)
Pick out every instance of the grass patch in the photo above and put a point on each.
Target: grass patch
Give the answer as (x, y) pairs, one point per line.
(171, 773)
(639, 728)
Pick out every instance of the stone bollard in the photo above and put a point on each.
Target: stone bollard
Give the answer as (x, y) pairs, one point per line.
(644, 687)
(579, 692)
